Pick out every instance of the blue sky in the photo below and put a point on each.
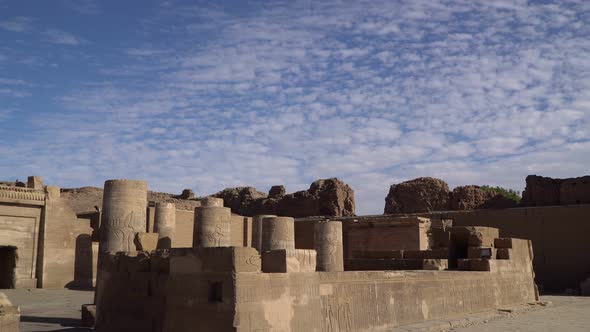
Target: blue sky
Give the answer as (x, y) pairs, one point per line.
(208, 95)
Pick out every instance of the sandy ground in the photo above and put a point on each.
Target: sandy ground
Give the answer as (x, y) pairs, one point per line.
(59, 310)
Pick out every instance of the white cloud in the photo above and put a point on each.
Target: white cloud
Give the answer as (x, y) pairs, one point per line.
(371, 92)
(56, 36)
(17, 24)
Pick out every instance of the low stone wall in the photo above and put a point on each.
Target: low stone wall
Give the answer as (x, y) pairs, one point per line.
(222, 289)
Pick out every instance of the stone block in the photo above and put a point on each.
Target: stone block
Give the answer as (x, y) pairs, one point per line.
(289, 261)
(481, 252)
(35, 182)
(160, 261)
(439, 238)
(435, 264)
(503, 243)
(214, 259)
(503, 253)
(109, 262)
(440, 253)
(482, 236)
(379, 254)
(394, 264)
(146, 241)
(138, 261)
(477, 265)
(88, 315)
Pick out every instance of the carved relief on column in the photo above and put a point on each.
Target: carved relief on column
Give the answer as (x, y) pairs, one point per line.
(123, 214)
(328, 245)
(212, 227)
(278, 233)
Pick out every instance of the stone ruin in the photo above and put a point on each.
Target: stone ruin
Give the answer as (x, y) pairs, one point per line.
(287, 275)
(430, 194)
(187, 261)
(545, 191)
(325, 197)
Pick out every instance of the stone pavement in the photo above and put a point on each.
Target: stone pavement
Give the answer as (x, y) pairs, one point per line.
(50, 309)
(565, 314)
(59, 310)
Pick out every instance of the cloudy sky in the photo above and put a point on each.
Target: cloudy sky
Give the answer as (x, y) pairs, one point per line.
(213, 94)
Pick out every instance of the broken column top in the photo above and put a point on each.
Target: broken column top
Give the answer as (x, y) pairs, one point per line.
(211, 201)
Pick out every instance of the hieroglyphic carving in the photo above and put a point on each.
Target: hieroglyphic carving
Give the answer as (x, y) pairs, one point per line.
(338, 314)
(328, 244)
(122, 231)
(278, 233)
(212, 226)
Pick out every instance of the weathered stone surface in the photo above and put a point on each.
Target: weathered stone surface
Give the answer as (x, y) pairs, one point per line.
(278, 233)
(186, 194)
(165, 224)
(545, 191)
(35, 182)
(212, 227)
(325, 197)
(429, 194)
(257, 231)
(146, 241)
(277, 192)
(124, 214)
(418, 195)
(88, 315)
(289, 261)
(328, 245)
(9, 315)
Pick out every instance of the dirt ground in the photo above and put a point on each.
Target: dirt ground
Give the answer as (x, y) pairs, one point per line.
(59, 310)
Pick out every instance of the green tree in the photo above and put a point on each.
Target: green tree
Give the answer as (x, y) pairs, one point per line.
(508, 193)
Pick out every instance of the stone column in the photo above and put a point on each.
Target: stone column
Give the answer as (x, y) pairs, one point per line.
(278, 233)
(123, 214)
(211, 201)
(212, 226)
(257, 231)
(328, 245)
(165, 224)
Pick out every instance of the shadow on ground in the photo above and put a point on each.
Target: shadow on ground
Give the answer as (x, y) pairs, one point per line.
(69, 324)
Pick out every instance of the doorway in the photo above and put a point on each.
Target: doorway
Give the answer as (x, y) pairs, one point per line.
(8, 258)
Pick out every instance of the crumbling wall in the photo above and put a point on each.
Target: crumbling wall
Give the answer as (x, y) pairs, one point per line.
(325, 197)
(545, 191)
(430, 194)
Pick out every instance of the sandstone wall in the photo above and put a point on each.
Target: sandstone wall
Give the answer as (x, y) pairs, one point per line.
(19, 228)
(559, 235)
(222, 289)
(67, 257)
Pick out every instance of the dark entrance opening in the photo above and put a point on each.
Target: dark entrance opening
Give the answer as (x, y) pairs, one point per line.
(8, 259)
(458, 246)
